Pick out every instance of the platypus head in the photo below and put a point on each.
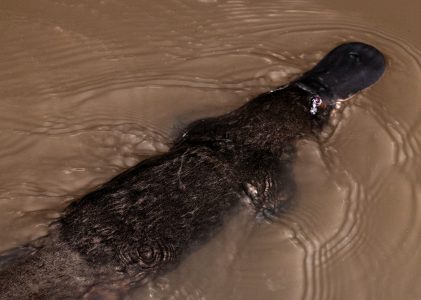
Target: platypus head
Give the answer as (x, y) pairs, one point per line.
(344, 71)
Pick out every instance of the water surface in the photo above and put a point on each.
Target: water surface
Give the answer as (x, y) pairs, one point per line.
(89, 88)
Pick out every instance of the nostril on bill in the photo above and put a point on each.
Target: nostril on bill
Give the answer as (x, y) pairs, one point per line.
(355, 56)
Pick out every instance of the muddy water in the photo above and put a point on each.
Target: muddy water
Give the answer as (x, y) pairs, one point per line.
(89, 88)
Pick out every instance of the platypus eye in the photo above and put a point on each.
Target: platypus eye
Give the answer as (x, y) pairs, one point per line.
(316, 101)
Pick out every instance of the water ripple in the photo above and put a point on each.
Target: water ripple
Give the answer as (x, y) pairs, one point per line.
(83, 98)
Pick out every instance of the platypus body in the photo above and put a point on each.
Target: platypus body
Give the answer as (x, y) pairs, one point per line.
(142, 222)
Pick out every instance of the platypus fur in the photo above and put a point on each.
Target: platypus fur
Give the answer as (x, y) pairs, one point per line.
(142, 222)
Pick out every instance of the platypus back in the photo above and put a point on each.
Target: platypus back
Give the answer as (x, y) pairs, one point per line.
(146, 219)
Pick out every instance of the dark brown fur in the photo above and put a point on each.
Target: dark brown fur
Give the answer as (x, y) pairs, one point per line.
(143, 221)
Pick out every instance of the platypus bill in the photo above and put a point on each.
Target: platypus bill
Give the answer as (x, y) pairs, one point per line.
(142, 222)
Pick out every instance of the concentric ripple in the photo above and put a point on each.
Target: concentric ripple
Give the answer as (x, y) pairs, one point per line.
(89, 88)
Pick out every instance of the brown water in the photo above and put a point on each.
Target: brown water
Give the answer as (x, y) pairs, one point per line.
(88, 88)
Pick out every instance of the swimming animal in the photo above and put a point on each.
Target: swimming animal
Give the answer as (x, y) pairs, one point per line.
(142, 222)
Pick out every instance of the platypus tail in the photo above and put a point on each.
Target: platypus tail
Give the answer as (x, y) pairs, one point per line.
(8, 257)
(44, 273)
(344, 71)
(52, 270)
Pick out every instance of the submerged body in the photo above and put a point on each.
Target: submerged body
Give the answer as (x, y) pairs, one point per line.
(143, 221)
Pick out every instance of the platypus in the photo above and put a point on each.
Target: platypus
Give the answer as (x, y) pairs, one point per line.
(145, 220)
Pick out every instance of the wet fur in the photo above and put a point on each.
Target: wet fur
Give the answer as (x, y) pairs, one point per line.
(143, 221)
